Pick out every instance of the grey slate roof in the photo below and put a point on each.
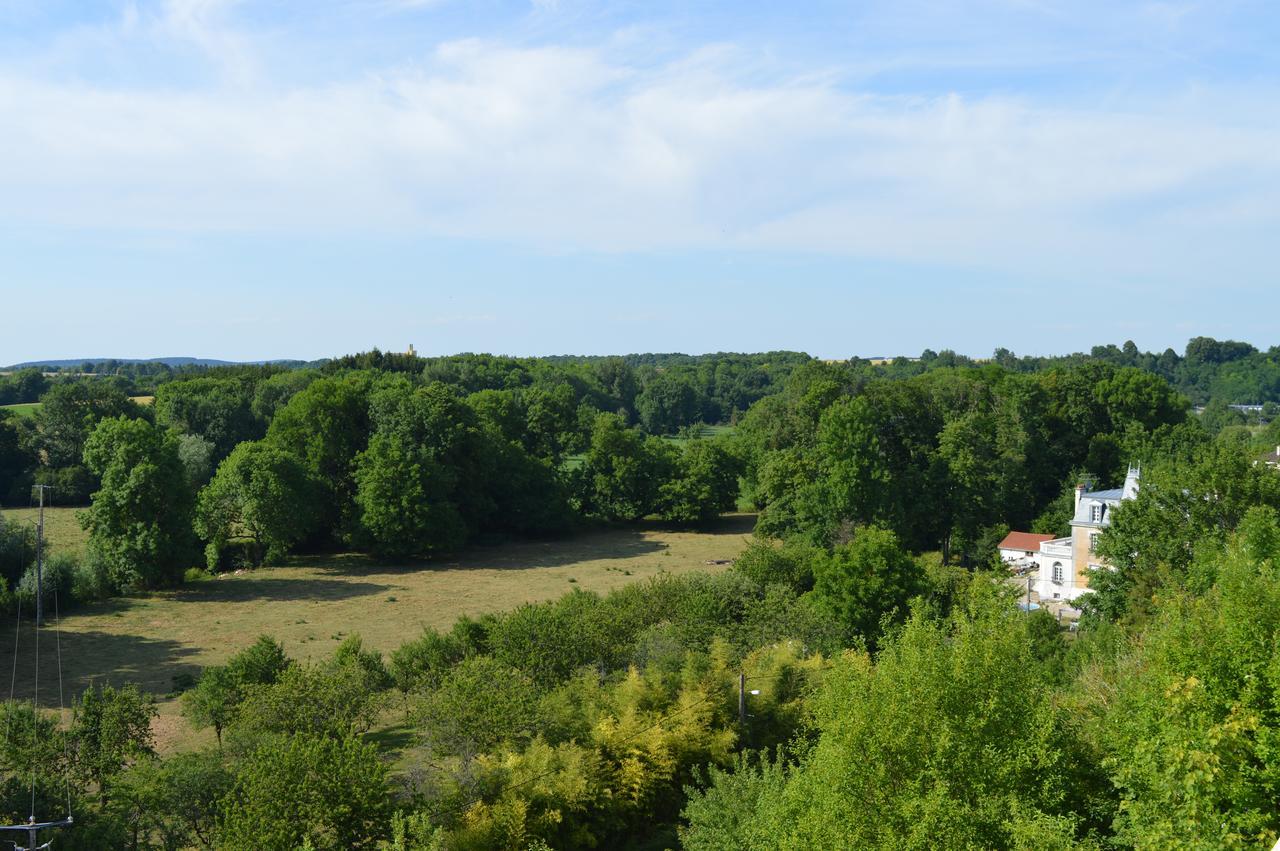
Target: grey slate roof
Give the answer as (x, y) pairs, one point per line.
(1113, 494)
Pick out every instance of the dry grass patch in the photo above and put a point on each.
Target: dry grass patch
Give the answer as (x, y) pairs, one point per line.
(312, 605)
(62, 532)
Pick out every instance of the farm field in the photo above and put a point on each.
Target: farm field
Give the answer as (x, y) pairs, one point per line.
(28, 409)
(314, 604)
(62, 530)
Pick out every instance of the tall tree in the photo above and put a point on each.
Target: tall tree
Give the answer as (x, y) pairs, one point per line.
(140, 520)
(262, 494)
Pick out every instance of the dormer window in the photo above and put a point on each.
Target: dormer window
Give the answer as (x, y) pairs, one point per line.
(1095, 512)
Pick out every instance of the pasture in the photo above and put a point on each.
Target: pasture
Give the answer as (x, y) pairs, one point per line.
(62, 530)
(314, 603)
(24, 409)
(28, 409)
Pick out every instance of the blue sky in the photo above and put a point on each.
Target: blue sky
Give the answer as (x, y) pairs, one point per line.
(298, 179)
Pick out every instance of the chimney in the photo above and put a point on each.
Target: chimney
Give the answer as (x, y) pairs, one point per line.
(1079, 493)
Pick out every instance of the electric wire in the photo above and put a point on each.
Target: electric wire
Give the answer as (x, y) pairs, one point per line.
(35, 710)
(66, 741)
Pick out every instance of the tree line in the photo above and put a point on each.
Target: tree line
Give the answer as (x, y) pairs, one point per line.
(892, 702)
(895, 695)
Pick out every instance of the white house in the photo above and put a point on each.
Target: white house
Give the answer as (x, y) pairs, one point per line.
(1063, 565)
(1019, 547)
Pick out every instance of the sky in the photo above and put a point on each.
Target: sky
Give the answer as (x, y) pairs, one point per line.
(271, 179)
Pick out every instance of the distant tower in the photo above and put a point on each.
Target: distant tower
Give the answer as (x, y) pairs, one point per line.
(412, 352)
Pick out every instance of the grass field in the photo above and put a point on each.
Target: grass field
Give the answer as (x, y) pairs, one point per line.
(28, 409)
(62, 532)
(311, 606)
(25, 409)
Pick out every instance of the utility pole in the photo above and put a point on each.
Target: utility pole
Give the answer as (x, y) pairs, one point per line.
(40, 558)
(1028, 592)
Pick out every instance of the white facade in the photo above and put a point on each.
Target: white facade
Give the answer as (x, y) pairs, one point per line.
(1055, 571)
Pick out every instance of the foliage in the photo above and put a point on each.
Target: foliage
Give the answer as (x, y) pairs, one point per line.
(766, 563)
(705, 484)
(935, 745)
(325, 790)
(868, 580)
(260, 493)
(110, 730)
(478, 705)
(140, 520)
(623, 472)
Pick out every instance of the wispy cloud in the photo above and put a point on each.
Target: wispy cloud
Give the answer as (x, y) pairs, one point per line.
(581, 149)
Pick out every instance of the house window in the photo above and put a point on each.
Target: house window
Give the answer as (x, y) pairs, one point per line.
(1095, 513)
(1057, 571)
(1093, 542)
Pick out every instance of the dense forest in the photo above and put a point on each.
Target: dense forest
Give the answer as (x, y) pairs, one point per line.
(860, 678)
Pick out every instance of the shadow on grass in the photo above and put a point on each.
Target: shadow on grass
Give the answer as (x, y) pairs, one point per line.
(241, 589)
(395, 738)
(598, 544)
(92, 657)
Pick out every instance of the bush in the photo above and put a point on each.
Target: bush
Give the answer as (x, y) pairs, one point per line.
(91, 580)
(792, 564)
(57, 582)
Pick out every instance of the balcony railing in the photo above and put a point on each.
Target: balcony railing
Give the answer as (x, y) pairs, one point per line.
(1057, 547)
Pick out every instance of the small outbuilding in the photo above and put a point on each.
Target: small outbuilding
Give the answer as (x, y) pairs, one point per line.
(1019, 545)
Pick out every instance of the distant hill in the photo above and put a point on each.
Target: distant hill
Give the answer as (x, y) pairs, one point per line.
(64, 363)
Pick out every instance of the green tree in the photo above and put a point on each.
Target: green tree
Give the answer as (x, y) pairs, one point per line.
(311, 699)
(172, 804)
(326, 425)
(403, 497)
(262, 494)
(1187, 716)
(17, 461)
(1179, 508)
(949, 740)
(704, 485)
(214, 701)
(218, 409)
(68, 414)
(328, 791)
(261, 663)
(110, 730)
(140, 520)
(668, 402)
(866, 580)
(876, 457)
(623, 473)
(478, 705)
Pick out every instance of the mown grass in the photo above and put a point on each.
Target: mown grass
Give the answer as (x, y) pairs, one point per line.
(62, 532)
(312, 605)
(28, 409)
(23, 409)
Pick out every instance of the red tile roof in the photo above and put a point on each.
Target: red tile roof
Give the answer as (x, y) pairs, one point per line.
(1025, 541)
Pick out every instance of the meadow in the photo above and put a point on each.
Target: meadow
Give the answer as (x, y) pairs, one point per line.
(28, 409)
(160, 639)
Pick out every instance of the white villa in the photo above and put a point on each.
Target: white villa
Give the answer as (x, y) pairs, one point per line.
(1062, 565)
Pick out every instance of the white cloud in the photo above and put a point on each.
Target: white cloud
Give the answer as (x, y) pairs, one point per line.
(570, 149)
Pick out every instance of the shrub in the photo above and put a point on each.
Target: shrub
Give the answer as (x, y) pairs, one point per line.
(767, 563)
(57, 583)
